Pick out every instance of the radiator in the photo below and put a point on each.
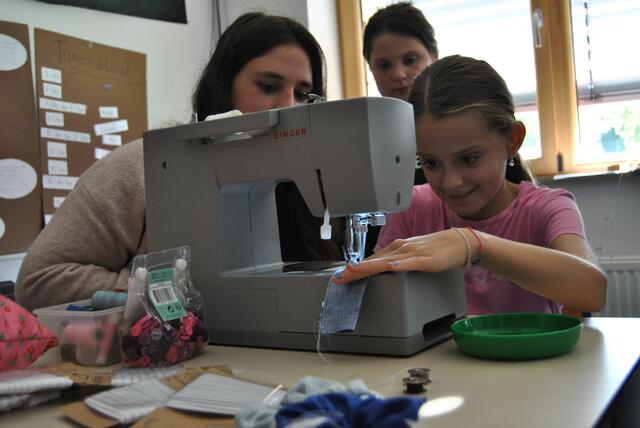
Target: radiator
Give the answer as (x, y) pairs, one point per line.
(623, 290)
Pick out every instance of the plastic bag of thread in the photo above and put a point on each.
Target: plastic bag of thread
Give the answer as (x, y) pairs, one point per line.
(164, 316)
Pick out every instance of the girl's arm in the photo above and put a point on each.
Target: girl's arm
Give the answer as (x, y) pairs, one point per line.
(565, 273)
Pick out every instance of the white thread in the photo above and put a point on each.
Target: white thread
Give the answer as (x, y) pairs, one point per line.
(316, 331)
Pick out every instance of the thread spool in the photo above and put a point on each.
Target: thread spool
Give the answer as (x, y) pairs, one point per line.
(85, 338)
(83, 334)
(414, 384)
(421, 372)
(108, 299)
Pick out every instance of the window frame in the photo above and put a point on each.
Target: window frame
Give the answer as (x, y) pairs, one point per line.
(555, 74)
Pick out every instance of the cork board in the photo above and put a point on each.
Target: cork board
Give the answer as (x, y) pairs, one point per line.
(20, 193)
(91, 99)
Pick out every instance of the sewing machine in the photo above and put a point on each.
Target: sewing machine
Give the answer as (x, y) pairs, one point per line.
(211, 185)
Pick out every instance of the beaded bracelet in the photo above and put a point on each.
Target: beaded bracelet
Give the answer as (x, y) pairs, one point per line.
(466, 242)
(475, 260)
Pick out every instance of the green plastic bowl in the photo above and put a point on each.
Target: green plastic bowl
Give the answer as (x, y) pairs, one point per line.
(517, 336)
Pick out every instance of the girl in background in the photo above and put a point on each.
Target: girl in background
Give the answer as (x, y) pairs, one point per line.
(398, 44)
(523, 246)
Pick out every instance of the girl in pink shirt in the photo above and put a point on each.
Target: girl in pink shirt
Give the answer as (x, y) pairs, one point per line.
(523, 246)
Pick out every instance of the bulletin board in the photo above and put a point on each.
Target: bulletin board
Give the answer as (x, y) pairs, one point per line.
(91, 99)
(20, 198)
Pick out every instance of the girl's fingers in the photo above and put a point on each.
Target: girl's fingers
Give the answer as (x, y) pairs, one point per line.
(417, 263)
(391, 263)
(395, 245)
(361, 270)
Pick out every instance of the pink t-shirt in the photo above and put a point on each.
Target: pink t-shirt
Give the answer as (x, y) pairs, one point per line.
(536, 216)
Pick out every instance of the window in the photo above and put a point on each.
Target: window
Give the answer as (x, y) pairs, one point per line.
(584, 112)
(608, 79)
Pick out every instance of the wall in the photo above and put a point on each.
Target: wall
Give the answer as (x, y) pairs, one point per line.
(175, 52)
(610, 206)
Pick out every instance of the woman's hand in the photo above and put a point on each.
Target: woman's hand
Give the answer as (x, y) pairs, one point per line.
(435, 252)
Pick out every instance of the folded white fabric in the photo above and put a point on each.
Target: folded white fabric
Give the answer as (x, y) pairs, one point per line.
(129, 376)
(9, 402)
(26, 381)
(212, 393)
(130, 403)
(230, 113)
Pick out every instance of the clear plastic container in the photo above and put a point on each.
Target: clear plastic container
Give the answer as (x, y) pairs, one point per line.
(87, 337)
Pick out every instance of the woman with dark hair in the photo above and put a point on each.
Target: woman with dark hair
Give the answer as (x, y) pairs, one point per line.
(522, 245)
(251, 36)
(261, 62)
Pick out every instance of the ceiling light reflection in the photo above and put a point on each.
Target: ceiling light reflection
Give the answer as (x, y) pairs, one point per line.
(439, 406)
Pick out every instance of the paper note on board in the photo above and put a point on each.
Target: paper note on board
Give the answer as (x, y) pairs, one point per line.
(56, 150)
(52, 118)
(111, 127)
(100, 153)
(17, 178)
(52, 90)
(108, 112)
(51, 75)
(59, 182)
(13, 54)
(60, 134)
(63, 106)
(57, 167)
(112, 140)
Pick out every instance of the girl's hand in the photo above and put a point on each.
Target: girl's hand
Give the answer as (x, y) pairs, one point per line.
(435, 252)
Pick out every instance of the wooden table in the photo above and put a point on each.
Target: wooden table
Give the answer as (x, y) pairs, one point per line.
(595, 384)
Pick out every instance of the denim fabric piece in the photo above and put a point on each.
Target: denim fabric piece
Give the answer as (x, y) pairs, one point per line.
(341, 306)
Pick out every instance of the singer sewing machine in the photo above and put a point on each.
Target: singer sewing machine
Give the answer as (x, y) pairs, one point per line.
(211, 185)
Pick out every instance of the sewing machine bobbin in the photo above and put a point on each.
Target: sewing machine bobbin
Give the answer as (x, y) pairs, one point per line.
(421, 372)
(414, 384)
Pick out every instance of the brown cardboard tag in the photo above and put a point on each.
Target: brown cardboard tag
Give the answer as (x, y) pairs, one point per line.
(179, 381)
(85, 416)
(169, 418)
(81, 375)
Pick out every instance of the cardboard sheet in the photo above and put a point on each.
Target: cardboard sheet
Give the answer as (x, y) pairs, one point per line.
(162, 417)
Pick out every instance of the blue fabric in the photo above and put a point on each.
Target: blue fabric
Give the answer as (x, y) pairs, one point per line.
(261, 415)
(348, 410)
(341, 306)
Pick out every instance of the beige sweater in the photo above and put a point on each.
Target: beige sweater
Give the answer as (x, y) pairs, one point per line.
(91, 240)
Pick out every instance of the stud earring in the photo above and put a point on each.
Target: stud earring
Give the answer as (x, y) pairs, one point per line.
(512, 162)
